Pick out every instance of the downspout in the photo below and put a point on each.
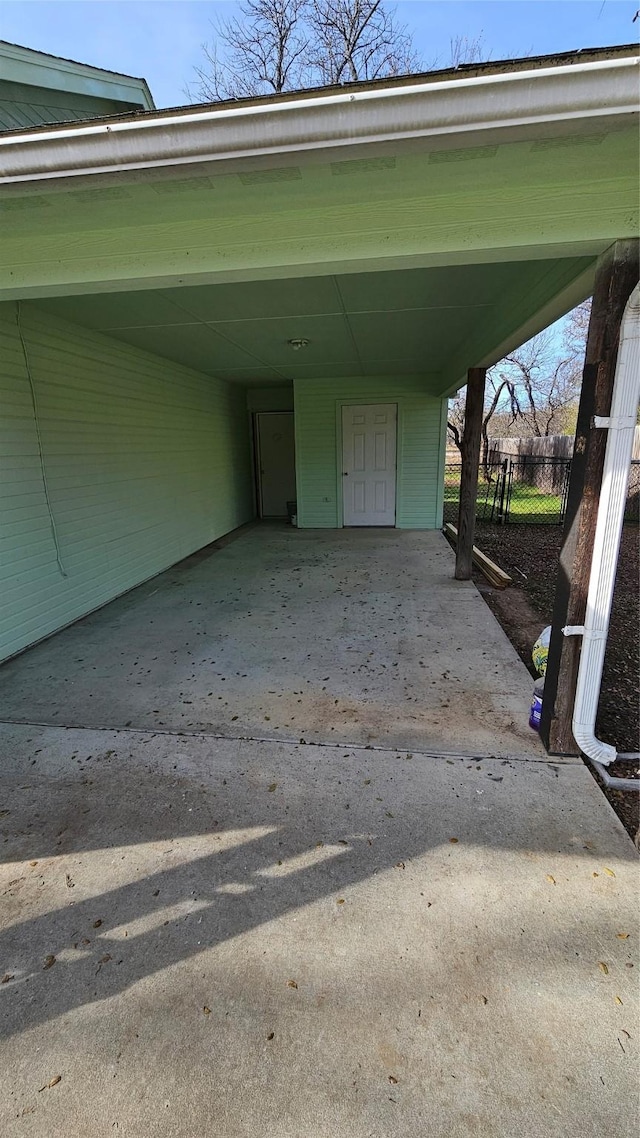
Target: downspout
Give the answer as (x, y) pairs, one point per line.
(613, 497)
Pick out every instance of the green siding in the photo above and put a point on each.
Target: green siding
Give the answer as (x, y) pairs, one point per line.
(523, 200)
(318, 448)
(146, 462)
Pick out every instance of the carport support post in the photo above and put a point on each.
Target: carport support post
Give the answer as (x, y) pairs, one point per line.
(616, 277)
(474, 405)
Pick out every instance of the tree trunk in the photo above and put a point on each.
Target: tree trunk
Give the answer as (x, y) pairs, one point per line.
(469, 476)
(616, 277)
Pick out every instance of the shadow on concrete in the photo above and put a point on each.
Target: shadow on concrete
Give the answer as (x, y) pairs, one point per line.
(185, 860)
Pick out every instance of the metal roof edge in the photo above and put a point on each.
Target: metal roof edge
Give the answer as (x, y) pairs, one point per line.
(593, 91)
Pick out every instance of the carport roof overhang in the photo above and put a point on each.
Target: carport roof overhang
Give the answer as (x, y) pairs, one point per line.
(507, 164)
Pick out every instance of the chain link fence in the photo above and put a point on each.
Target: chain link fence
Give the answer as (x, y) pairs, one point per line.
(526, 489)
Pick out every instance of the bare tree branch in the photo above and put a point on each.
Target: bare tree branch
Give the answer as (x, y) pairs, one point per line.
(359, 39)
(463, 49)
(264, 51)
(281, 45)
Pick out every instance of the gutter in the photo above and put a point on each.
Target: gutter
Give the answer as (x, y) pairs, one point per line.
(613, 495)
(579, 97)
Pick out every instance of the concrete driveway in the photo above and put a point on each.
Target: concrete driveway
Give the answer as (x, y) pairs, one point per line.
(358, 636)
(236, 934)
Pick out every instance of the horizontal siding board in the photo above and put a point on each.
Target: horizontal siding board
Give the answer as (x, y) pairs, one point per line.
(317, 443)
(146, 462)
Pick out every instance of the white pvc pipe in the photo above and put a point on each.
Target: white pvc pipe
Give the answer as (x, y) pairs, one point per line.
(613, 498)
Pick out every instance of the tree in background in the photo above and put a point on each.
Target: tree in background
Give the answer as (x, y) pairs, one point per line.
(358, 39)
(261, 52)
(534, 391)
(283, 45)
(464, 50)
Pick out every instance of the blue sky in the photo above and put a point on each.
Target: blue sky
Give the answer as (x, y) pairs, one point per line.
(160, 39)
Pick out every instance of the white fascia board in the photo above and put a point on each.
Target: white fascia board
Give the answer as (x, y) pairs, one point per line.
(594, 96)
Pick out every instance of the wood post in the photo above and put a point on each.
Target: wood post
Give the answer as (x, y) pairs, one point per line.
(616, 277)
(474, 406)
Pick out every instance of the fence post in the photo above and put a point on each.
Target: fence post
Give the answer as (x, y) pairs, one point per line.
(471, 438)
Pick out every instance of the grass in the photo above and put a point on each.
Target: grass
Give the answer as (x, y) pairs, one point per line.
(528, 504)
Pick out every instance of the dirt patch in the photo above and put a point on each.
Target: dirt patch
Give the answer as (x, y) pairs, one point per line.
(530, 554)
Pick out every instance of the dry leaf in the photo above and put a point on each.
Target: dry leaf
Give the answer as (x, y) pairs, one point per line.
(291, 984)
(603, 967)
(484, 999)
(272, 787)
(399, 865)
(96, 924)
(271, 1035)
(550, 879)
(69, 883)
(609, 872)
(392, 1079)
(622, 936)
(453, 841)
(206, 1010)
(33, 863)
(618, 1001)
(7, 977)
(595, 874)
(52, 1083)
(340, 901)
(49, 961)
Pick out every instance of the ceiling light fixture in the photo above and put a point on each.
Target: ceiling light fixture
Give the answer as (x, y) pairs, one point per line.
(297, 344)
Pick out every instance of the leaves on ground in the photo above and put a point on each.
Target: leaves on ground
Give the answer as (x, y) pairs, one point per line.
(454, 841)
(7, 977)
(609, 872)
(52, 1083)
(393, 1080)
(49, 962)
(603, 967)
(622, 936)
(96, 924)
(291, 984)
(206, 1010)
(550, 879)
(618, 1001)
(272, 787)
(340, 901)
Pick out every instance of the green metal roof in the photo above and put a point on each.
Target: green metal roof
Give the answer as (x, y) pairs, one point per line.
(37, 89)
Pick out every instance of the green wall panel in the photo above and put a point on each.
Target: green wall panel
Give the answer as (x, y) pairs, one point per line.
(146, 461)
(421, 445)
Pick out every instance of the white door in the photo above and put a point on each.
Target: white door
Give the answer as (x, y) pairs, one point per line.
(276, 462)
(369, 464)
